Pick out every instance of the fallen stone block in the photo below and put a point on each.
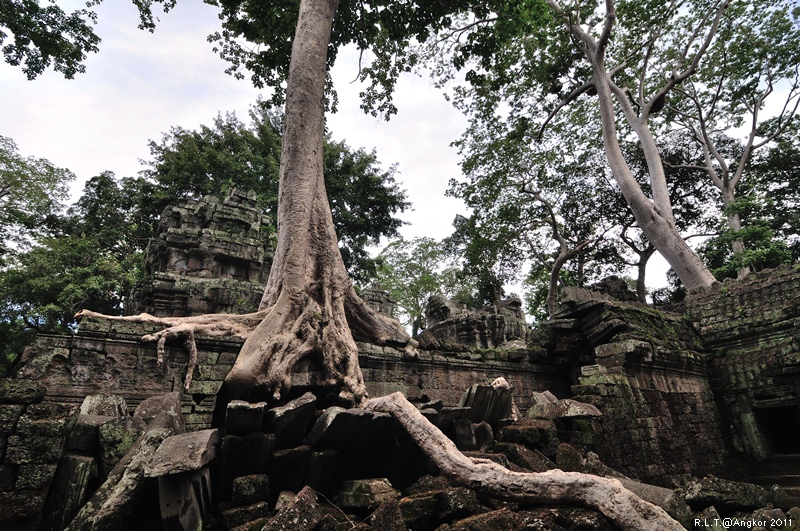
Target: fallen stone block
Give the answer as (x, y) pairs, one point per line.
(489, 403)
(242, 456)
(287, 469)
(337, 427)
(76, 478)
(524, 457)
(499, 519)
(464, 435)
(115, 438)
(250, 489)
(387, 517)
(725, 495)
(431, 509)
(85, 435)
(290, 422)
(116, 501)
(104, 405)
(184, 453)
(484, 435)
(240, 516)
(242, 418)
(302, 514)
(322, 472)
(181, 510)
(366, 493)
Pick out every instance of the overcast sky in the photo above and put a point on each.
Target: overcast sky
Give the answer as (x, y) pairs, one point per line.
(140, 84)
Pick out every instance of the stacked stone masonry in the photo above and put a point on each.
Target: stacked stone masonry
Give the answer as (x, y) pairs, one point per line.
(751, 329)
(209, 256)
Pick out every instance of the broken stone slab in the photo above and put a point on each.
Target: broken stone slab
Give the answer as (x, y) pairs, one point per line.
(236, 517)
(431, 509)
(663, 497)
(564, 408)
(523, 457)
(180, 498)
(337, 427)
(21, 391)
(387, 517)
(489, 403)
(484, 435)
(165, 408)
(77, 475)
(323, 468)
(448, 414)
(85, 435)
(290, 422)
(185, 452)
(242, 418)
(464, 435)
(533, 433)
(287, 468)
(250, 489)
(724, 494)
(366, 493)
(242, 456)
(303, 513)
(115, 438)
(119, 498)
(105, 405)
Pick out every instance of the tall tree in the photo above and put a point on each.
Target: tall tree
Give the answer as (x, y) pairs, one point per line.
(310, 308)
(411, 271)
(31, 189)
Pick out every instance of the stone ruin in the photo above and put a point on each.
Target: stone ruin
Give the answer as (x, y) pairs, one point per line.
(94, 433)
(208, 256)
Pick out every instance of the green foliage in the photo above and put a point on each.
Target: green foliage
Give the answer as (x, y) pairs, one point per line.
(34, 36)
(413, 270)
(90, 257)
(364, 198)
(31, 191)
(256, 37)
(762, 249)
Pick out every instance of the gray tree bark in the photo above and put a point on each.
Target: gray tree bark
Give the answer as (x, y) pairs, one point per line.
(310, 305)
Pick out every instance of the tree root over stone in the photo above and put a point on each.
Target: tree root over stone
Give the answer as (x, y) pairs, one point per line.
(185, 328)
(608, 496)
(276, 338)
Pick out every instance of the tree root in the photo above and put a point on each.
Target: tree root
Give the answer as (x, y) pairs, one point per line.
(185, 329)
(608, 496)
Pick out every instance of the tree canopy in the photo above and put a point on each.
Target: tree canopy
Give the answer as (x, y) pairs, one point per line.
(364, 197)
(35, 37)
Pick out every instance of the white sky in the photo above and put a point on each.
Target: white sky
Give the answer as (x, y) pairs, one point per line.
(140, 84)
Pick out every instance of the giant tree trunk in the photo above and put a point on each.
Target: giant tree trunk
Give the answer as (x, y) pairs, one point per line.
(310, 304)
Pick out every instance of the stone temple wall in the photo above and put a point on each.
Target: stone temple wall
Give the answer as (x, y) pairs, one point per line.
(108, 356)
(751, 330)
(644, 370)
